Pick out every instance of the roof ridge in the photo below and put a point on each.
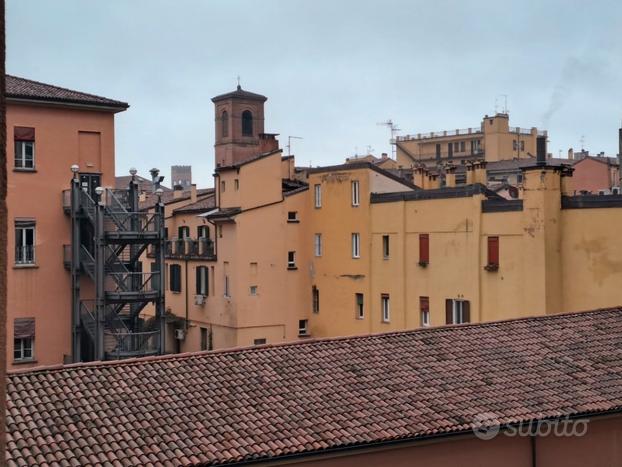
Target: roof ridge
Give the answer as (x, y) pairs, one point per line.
(311, 341)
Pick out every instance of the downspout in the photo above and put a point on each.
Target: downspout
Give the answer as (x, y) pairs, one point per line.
(533, 450)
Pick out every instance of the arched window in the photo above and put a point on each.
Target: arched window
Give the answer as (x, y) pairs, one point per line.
(247, 123)
(225, 124)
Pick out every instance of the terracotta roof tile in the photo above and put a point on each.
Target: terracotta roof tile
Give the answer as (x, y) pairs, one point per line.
(274, 400)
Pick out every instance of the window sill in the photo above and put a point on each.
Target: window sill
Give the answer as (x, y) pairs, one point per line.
(423, 264)
(292, 268)
(26, 266)
(491, 267)
(305, 335)
(384, 321)
(23, 169)
(293, 221)
(24, 361)
(360, 318)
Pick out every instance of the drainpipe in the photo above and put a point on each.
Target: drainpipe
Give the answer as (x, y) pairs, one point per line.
(533, 450)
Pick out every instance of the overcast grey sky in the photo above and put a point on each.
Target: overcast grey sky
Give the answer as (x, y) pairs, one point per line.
(331, 69)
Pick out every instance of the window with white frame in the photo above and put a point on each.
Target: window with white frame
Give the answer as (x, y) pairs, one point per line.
(23, 339)
(318, 244)
(24, 140)
(385, 246)
(359, 306)
(292, 216)
(356, 245)
(384, 305)
(24, 242)
(355, 193)
(303, 327)
(291, 260)
(318, 195)
(227, 291)
(424, 306)
(457, 311)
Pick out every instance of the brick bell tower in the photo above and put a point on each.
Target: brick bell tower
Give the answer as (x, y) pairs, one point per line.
(239, 121)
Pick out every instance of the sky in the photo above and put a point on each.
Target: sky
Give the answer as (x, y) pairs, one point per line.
(332, 70)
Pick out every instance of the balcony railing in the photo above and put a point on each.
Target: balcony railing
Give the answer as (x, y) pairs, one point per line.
(187, 247)
(439, 134)
(128, 344)
(25, 254)
(130, 222)
(134, 281)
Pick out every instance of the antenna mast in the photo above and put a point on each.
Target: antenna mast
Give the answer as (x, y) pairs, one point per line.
(289, 143)
(394, 129)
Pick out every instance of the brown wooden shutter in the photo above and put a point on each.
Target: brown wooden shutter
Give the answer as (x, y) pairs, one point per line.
(493, 251)
(424, 303)
(24, 328)
(22, 133)
(449, 311)
(466, 311)
(424, 248)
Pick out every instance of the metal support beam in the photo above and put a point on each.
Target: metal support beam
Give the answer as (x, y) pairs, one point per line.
(76, 330)
(100, 305)
(160, 264)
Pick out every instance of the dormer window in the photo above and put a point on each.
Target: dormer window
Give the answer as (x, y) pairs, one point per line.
(225, 124)
(247, 123)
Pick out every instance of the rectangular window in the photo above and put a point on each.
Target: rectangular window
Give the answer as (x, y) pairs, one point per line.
(493, 254)
(24, 242)
(292, 216)
(202, 280)
(318, 244)
(315, 292)
(462, 146)
(386, 310)
(522, 145)
(260, 341)
(23, 339)
(303, 327)
(155, 276)
(183, 231)
(514, 145)
(356, 245)
(291, 260)
(424, 249)
(236, 184)
(385, 246)
(202, 231)
(219, 228)
(204, 340)
(227, 291)
(355, 193)
(424, 306)
(359, 307)
(24, 139)
(318, 196)
(222, 186)
(175, 278)
(253, 290)
(457, 311)
(456, 146)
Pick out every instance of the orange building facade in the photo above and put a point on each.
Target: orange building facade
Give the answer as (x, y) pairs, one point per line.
(49, 129)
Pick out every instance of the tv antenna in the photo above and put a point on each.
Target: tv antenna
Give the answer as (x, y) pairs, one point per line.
(505, 103)
(394, 129)
(289, 143)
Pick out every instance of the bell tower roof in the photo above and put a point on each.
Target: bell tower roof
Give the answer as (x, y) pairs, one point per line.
(240, 93)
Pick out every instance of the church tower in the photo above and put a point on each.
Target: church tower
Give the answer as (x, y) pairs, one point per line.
(239, 121)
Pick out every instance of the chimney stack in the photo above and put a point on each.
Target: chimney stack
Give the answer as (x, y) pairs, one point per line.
(541, 150)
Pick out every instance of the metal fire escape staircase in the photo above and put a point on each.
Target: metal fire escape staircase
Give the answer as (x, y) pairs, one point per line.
(109, 235)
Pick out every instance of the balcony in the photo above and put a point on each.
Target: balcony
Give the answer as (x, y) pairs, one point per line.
(188, 248)
(124, 344)
(24, 255)
(131, 286)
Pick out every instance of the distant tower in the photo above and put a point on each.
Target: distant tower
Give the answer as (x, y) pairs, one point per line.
(181, 175)
(239, 121)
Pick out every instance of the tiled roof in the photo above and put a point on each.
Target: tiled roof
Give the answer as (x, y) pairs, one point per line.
(516, 164)
(168, 197)
(144, 184)
(240, 93)
(202, 205)
(21, 88)
(311, 396)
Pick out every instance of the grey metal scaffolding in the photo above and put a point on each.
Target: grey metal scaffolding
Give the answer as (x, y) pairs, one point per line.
(109, 236)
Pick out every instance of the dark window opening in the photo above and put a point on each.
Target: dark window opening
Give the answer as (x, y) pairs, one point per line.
(224, 120)
(424, 249)
(175, 278)
(315, 292)
(247, 123)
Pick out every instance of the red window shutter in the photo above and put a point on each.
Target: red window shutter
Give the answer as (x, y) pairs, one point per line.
(22, 133)
(424, 303)
(493, 251)
(449, 311)
(424, 248)
(466, 311)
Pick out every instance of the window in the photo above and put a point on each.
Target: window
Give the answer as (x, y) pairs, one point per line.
(260, 341)
(202, 281)
(359, 307)
(183, 231)
(424, 306)
(456, 146)
(514, 145)
(175, 278)
(424, 250)
(315, 292)
(462, 146)
(202, 231)
(224, 121)
(291, 260)
(236, 184)
(24, 242)
(223, 185)
(385, 246)
(24, 139)
(438, 152)
(253, 290)
(155, 276)
(355, 193)
(23, 339)
(204, 339)
(493, 254)
(522, 145)
(318, 244)
(292, 216)
(219, 228)
(457, 311)
(247, 123)
(227, 291)
(303, 327)
(318, 196)
(356, 245)
(386, 311)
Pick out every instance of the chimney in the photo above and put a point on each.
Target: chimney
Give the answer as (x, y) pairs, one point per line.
(469, 173)
(571, 154)
(433, 181)
(193, 192)
(420, 175)
(384, 156)
(450, 176)
(178, 191)
(479, 172)
(541, 150)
